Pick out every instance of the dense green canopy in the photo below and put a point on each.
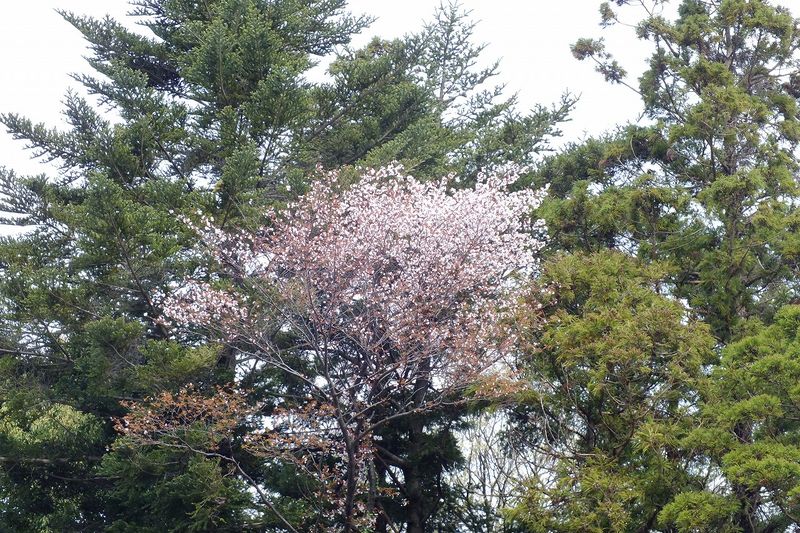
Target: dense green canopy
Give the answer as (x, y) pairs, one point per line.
(659, 342)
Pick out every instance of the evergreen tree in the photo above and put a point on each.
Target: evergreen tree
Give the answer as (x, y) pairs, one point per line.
(745, 437)
(709, 190)
(615, 364)
(205, 110)
(710, 185)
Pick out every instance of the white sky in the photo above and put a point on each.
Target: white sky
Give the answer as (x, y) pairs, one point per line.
(530, 37)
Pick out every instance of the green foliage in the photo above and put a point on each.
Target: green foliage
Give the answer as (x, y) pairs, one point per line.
(708, 187)
(748, 429)
(708, 191)
(614, 368)
(43, 446)
(699, 511)
(176, 491)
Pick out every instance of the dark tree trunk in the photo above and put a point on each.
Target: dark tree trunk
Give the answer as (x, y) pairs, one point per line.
(381, 522)
(415, 508)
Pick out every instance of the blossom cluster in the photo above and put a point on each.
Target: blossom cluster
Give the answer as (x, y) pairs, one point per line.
(392, 263)
(197, 302)
(417, 264)
(398, 292)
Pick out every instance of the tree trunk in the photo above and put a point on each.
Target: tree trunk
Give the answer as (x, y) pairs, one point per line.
(352, 478)
(415, 510)
(748, 498)
(381, 522)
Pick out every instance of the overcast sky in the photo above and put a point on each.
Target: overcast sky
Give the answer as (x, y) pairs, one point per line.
(530, 37)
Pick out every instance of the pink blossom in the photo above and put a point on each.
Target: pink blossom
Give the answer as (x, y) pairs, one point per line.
(394, 287)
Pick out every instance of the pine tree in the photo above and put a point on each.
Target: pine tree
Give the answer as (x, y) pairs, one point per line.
(710, 184)
(708, 189)
(746, 437)
(79, 315)
(615, 366)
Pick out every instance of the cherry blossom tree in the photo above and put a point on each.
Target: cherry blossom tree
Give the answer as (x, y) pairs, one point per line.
(396, 297)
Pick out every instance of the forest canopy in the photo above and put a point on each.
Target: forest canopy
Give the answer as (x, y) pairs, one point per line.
(391, 300)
